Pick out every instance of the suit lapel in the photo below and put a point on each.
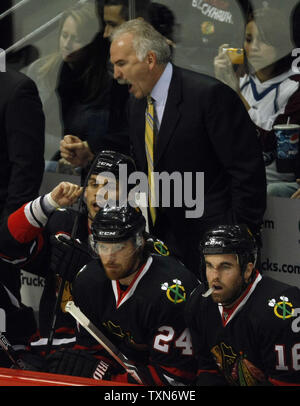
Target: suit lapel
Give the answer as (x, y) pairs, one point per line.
(169, 121)
(171, 114)
(138, 132)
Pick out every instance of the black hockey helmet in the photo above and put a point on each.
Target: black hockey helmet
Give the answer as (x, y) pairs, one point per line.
(229, 239)
(116, 224)
(109, 161)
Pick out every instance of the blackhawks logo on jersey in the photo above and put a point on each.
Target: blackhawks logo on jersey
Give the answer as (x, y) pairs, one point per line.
(158, 246)
(175, 291)
(161, 248)
(235, 366)
(283, 308)
(126, 336)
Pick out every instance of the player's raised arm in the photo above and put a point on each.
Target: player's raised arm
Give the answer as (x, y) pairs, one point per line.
(22, 227)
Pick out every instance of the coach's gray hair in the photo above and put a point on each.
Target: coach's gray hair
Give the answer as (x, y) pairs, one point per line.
(145, 39)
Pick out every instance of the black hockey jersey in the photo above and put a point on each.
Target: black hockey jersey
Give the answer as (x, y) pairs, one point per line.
(17, 322)
(25, 242)
(144, 320)
(257, 342)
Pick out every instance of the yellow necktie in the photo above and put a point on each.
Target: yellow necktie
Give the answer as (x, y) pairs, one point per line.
(149, 141)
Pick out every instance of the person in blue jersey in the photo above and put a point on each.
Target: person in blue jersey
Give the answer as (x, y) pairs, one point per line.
(268, 85)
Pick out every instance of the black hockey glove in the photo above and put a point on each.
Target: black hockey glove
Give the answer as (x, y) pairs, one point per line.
(77, 363)
(18, 359)
(68, 256)
(29, 362)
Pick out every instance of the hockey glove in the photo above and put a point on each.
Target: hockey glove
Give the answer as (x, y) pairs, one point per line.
(30, 362)
(68, 256)
(77, 363)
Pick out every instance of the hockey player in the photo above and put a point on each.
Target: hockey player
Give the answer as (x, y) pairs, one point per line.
(247, 331)
(17, 321)
(138, 302)
(30, 242)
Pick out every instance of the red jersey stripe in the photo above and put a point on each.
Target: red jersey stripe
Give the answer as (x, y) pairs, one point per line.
(20, 228)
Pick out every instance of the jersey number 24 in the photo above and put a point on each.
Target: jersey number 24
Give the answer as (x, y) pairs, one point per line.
(167, 334)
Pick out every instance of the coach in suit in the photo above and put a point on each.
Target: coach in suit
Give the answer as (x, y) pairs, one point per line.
(200, 125)
(22, 139)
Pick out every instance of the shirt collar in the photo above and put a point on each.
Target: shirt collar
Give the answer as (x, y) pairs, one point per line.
(160, 91)
(277, 79)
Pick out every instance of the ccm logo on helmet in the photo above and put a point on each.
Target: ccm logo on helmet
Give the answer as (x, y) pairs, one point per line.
(214, 241)
(107, 233)
(102, 163)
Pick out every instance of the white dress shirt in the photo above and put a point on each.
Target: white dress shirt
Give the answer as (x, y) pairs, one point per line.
(160, 93)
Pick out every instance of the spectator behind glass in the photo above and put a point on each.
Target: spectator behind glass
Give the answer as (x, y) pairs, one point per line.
(76, 88)
(77, 27)
(116, 12)
(269, 89)
(205, 25)
(163, 20)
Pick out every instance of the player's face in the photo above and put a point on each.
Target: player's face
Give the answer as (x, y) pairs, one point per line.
(112, 19)
(259, 53)
(118, 258)
(223, 273)
(128, 69)
(99, 191)
(69, 40)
